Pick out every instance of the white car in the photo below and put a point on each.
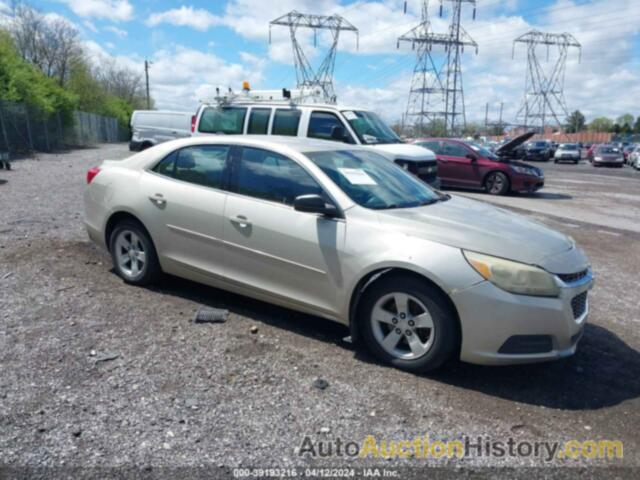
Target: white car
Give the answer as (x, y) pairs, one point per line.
(340, 232)
(567, 152)
(245, 115)
(634, 158)
(151, 127)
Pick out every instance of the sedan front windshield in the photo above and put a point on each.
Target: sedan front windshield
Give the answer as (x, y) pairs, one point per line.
(370, 128)
(372, 181)
(569, 146)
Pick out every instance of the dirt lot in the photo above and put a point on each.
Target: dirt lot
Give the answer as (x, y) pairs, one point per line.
(95, 373)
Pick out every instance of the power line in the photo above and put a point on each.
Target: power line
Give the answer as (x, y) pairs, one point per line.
(438, 93)
(544, 90)
(314, 83)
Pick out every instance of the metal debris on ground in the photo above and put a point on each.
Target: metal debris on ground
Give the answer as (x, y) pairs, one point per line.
(107, 357)
(211, 315)
(320, 383)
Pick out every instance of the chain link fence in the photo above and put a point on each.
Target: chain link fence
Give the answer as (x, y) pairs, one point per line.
(24, 129)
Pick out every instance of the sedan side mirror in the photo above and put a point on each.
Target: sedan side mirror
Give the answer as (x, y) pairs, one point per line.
(338, 133)
(314, 204)
(472, 157)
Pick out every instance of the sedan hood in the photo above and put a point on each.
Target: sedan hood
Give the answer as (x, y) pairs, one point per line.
(479, 227)
(511, 145)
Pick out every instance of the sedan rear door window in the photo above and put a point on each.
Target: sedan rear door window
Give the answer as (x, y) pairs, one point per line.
(202, 165)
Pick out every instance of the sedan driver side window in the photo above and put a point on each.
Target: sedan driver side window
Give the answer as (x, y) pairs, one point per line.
(454, 150)
(270, 176)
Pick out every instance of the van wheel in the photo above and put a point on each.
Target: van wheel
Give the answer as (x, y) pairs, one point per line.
(497, 183)
(146, 145)
(133, 253)
(406, 322)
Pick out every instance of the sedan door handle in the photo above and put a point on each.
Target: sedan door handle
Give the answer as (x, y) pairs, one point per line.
(241, 221)
(158, 200)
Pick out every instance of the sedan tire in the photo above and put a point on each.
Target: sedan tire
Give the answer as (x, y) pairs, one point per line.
(407, 323)
(497, 183)
(134, 255)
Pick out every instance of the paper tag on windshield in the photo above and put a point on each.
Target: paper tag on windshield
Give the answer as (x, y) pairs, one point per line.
(357, 176)
(349, 115)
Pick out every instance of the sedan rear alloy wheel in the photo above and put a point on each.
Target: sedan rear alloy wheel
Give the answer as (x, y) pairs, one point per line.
(133, 253)
(130, 254)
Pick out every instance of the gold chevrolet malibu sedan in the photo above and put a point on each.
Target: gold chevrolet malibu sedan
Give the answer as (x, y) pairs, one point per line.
(341, 232)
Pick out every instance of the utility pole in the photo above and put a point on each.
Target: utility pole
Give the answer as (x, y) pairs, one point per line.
(146, 76)
(486, 118)
(544, 88)
(436, 94)
(315, 83)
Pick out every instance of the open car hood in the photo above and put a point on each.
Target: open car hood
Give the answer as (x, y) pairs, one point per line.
(515, 143)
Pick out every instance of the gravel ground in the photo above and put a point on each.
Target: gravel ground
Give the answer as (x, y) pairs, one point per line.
(98, 374)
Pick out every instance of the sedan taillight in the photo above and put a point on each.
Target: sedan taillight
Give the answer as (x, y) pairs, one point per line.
(91, 174)
(193, 123)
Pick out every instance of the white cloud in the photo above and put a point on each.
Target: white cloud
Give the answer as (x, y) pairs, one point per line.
(199, 18)
(90, 26)
(116, 10)
(181, 77)
(116, 31)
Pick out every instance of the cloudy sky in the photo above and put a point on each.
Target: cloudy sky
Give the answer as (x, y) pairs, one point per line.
(199, 45)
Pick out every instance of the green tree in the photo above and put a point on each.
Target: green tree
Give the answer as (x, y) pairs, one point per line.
(626, 119)
(575, 122)
(636, 127)
(22, 82)
(601, 124)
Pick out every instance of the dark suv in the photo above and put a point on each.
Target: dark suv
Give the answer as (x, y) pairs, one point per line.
(539, 150)
(469, 165)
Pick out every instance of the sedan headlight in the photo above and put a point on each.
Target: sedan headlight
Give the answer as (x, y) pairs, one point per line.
(512, 276)
(523, 170)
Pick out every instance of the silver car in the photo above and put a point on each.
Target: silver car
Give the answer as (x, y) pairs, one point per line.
(340, 232)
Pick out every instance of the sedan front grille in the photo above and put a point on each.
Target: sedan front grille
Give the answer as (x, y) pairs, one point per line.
(579, 305)
(573, 277)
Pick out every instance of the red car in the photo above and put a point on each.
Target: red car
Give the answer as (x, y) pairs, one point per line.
(465, 164)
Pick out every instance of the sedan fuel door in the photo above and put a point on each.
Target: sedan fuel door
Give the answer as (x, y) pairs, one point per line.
(273, 249)
(183, 205)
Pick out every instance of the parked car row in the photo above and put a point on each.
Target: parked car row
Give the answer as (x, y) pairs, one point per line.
(301, 205)
(339, 231)
(613, 154)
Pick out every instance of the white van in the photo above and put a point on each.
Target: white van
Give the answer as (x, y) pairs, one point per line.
(246, 116)
(151, 127)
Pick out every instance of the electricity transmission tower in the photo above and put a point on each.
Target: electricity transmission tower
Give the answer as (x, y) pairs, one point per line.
(437, 94)
(544, 90)
(314, 83)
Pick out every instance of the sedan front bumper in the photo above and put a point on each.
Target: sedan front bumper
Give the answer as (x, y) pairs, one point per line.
(501, 328)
